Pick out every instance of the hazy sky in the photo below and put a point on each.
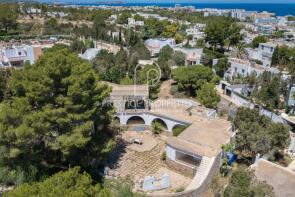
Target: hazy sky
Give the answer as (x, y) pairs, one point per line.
(179, 1)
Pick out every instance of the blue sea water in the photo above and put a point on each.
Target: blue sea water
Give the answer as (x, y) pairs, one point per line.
(279, 9)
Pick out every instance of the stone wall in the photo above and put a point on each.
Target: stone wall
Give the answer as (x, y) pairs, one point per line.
(200, 189)
(184, 170)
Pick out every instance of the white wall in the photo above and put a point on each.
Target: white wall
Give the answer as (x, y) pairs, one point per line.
(170, 153)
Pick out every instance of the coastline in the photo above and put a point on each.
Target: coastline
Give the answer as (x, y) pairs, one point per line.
(280, 9)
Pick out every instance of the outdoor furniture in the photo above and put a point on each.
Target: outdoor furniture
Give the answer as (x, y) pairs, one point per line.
(137, 141)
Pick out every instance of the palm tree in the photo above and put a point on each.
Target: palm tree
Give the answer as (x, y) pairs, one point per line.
(241, 51)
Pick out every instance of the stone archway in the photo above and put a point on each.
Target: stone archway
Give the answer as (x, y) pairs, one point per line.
(116, 120)
(160, 121)
(135, 120)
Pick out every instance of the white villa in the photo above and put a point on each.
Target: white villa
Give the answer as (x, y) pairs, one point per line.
(245, 67)
(196, 31)
(197, 146)
(133, 23)
(193, 55)
(263, 53)
(155, 45)
(17, 56)
(196, 152)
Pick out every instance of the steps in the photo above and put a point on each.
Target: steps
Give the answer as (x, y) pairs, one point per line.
(201, 174)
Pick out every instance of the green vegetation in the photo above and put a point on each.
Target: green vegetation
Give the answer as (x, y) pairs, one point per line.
(283, 57)
(268, 89)
(178, 129)
(221, 67)
(258, 134)
(67, 183)
(222, 30)
(117, 67)
(74, 183)
(190, 79)
(154, 28)
(163, 156)
(80, 46)
(123, 18)
(4, 76)
(257, 40)
(208, 96)
(157, 128)
(111, 67)
(53, 118)
(243, 183)
(150, 75)
(8, 16)
(168, 58)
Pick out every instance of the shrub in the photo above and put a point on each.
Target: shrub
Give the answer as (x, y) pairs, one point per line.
(163, 156)
(157, 128)
(178, 129)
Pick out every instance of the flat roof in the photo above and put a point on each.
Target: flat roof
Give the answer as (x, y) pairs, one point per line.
(204, 136)
(210, 133)
(190, 148)
(281, 179)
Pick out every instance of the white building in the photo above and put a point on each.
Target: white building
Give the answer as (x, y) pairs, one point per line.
(34, 11)
(215, 12)
(264, 29)
(194, 151)
(57, 14)
(245, 68)
(155, 45)
(133, 23)
(146, 62)
(156, 16)
(241, 14)
(90, 54)
(263, 53)
(268, 20)
(197, 29)
(193, 56)
(17, 56)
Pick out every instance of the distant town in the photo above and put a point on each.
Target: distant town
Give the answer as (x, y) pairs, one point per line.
(131, 101)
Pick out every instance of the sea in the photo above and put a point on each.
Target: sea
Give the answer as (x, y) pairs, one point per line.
(279, 9)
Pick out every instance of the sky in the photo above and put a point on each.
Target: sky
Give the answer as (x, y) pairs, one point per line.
(178, 1)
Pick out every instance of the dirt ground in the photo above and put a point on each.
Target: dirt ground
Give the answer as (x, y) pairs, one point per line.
(165, 90)
(138, 161)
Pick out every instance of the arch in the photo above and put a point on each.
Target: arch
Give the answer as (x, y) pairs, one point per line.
(116, 119)
(160, 121)
(135, 120)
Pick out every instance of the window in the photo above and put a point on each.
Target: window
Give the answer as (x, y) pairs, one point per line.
(188, 159)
